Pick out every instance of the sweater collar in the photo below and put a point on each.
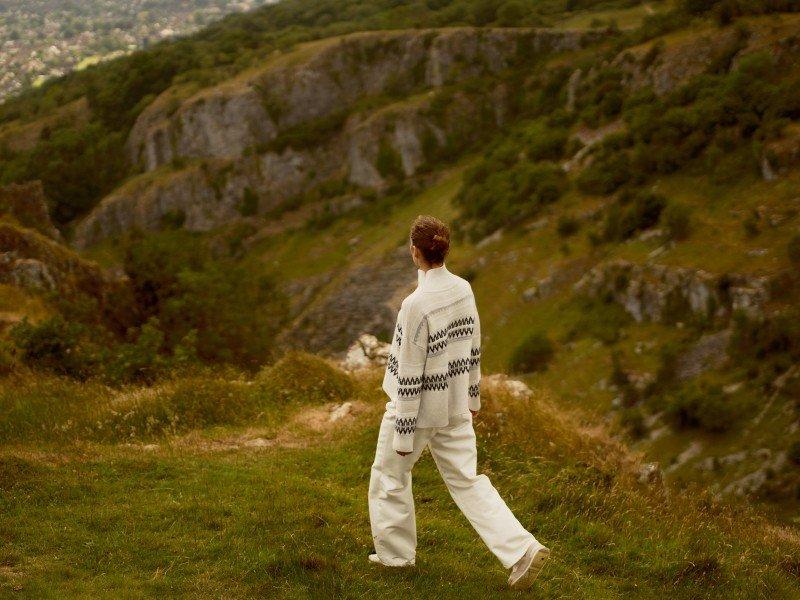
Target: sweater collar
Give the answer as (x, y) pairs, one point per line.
(434, 280)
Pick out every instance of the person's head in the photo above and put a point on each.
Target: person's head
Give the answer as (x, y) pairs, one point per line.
(430, 242)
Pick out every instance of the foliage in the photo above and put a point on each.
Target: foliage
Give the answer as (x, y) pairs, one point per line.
(794, 453)
(766, 346)
(703, 407)
(567, 226)
(793, 250)
(600, 319)
(506, 186)
(631, 213)
(677, 220)
(532, 354)
(299, 377)
(388, 162)
(55, 344)
(234, 315)
(249, 204)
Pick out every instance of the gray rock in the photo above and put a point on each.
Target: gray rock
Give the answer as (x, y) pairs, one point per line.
(707, 353)
(645, 291)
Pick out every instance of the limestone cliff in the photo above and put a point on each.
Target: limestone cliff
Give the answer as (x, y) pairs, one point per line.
(243, 134)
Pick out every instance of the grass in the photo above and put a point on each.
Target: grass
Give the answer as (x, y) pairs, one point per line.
(176, 518)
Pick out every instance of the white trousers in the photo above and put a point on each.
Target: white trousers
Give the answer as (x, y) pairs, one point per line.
(391, 504)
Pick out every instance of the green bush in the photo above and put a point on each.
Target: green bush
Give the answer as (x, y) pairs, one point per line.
(249, 205)
(631, 213)
(794, 453)
(7, 361)
(567, 226)
(632, 420)
(141, 361)
(677, 220)
(511, 13)
(302, 378)
(495, 195)
(599, 319)
(752, 225)
(234, 315)
(55, 345)
(793, 250)
(533, 354)
(388, 162)
(699, 406)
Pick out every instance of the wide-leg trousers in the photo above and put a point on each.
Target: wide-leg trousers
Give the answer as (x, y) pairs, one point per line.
(391, 504)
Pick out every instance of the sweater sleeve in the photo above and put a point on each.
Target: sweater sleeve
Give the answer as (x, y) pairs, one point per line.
(411, 357)
(475, 367)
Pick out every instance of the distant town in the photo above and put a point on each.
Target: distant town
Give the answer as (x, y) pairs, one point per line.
(41, 39)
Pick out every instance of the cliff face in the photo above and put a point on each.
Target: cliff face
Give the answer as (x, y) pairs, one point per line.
(230, 133)
(325, 77)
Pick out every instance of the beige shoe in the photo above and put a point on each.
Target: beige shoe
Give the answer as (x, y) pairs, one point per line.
(528, 567)
(373, 558)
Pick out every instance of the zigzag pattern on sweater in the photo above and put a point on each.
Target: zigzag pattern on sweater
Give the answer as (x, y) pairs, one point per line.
(405, 425)
(458, 367)
(435, 383)
(475, 358)
(474, 391)
(409, 387)
(392, 365)
(398, 334)
(457, 329)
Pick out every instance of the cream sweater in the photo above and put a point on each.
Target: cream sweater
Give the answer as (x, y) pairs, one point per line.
(433, 371)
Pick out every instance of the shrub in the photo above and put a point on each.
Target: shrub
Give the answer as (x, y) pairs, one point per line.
(599, 319)
(547, 144)
(511, 13)
(299, 377)
(751, 225)
(677, 221)
(703, 407)
(567, 226)
(793, 251)
(533, 354)
(140, 361)
(627, 216)
(234, 315)
(388, 162)
(607, 173)
(7, 361)
(249, 205)
(794, 452)
(55, 345)
(632, 420)
(484, 12)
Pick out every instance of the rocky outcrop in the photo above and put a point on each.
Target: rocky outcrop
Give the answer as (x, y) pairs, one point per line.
(366, 352)
(32, 261)
(325, 77)
(709, 352)
(362, 299)
(234, 130)
(26, 204)
(660, 293)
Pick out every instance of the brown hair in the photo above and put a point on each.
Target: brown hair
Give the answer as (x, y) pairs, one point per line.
(431, 237)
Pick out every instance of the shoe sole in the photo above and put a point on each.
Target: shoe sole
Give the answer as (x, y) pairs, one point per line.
(382, 564)
(537, 562)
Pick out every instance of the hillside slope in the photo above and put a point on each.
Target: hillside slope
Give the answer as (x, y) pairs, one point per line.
(624, 203)
(259, 488)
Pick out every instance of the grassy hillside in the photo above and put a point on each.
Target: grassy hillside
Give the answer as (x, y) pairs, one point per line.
(627, 214)
(276, 505)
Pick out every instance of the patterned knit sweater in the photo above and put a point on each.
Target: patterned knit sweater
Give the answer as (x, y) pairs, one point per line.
(433, 371)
